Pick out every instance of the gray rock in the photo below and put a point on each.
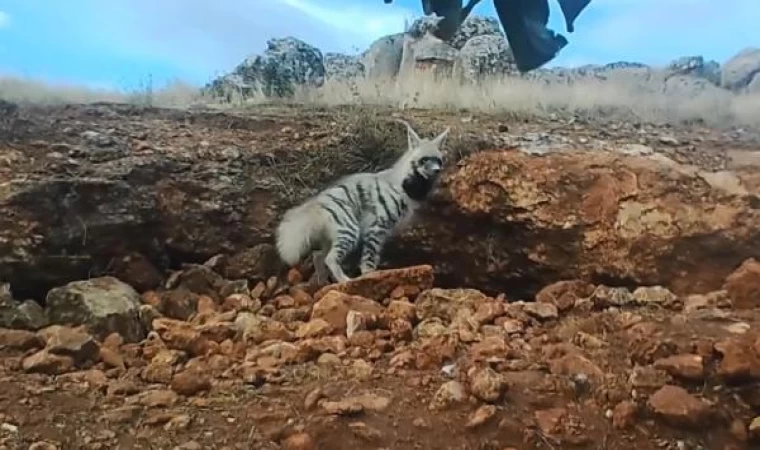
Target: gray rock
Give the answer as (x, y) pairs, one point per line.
(27, 315)
(754, 86)
(605, 296)
(426, 52)
(105, 305)
(230, 85)
(475, 26)
(343, 67)
(739, 71)
(630, 72)
(695, 66)
(424, 25)
(484, 56)
(147, 315)
(430, 48)
(286, 64)
(383, 58)
(689, 86)
(5, 293)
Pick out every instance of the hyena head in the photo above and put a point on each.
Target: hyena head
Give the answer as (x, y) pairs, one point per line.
(422, 163)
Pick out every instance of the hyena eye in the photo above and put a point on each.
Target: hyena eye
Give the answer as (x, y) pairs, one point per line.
(434, 159)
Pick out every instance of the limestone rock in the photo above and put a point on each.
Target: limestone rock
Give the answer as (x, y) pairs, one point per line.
(476, 26)
(383, 58)
(286, 64)
(739, 70)
(27, 315)
(484, 56)
(105, 305)
(339, 66)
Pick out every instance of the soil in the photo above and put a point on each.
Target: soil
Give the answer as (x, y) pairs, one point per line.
(583, 366)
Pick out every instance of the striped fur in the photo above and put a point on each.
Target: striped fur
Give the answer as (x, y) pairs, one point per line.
(363, 209)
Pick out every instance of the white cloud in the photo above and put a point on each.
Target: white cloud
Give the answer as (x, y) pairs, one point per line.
(5, 19)
(370, 22)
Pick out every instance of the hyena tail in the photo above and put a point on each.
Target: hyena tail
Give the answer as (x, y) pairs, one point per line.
(299, 228)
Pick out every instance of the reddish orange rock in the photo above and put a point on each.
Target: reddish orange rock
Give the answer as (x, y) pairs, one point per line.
(743, 285)
(679, 408)
(379, 285)
(564, 294)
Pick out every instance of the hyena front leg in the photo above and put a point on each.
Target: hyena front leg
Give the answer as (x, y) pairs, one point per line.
(374, 240)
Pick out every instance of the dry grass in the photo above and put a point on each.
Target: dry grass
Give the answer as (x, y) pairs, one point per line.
(22, 90)
(619, 97)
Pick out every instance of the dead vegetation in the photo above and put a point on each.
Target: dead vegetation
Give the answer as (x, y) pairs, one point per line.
(618, 97)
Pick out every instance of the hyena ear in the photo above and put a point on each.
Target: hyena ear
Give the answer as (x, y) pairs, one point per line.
(441, 138)
(413, 138)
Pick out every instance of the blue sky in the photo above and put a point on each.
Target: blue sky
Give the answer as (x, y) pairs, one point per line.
(118, 43)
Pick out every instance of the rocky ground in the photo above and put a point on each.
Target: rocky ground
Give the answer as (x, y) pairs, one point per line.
(144, 309)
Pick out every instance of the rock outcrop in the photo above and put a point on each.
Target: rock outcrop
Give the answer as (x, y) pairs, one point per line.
(483, 56)
(382, 60)
(104, 305)
(286, 64)
(634, 219)
(478, 51)
(343, 67)
(740, 70)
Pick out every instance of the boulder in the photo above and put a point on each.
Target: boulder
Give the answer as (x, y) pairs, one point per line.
(27, 315)
(739, 70)
(339, 66)
(382, 60)
(423, 26)
(483, 56)
(286, 64)
(753, 87)
(426, 53)
(104, 305)
(697, 67)
(475, 26)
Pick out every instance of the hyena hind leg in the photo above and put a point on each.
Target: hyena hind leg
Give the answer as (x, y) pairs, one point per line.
(321, 272)
(373, 243)
(341, 246)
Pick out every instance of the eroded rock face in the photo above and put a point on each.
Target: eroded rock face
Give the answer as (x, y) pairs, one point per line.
(502, 220)
(580, 215)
